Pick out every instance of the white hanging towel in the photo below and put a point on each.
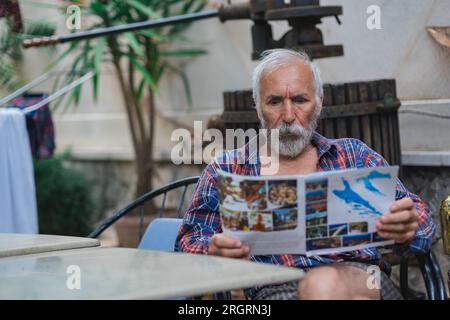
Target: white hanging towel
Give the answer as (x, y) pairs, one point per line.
(18, 210)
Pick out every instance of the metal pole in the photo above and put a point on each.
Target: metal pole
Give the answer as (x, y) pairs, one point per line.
(100, 32)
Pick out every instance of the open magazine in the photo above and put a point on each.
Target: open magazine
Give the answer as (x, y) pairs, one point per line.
(320, 213)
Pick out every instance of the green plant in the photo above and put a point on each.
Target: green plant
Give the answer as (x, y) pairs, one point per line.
(140, 59)
(63, 198)
(10, 48)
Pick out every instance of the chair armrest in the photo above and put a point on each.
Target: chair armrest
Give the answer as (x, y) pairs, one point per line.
(439, 279)
(431, 274)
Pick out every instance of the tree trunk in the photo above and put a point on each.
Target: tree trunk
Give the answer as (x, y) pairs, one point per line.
(141, 130)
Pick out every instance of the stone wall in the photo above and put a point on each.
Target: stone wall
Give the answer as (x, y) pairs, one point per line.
(432, 184)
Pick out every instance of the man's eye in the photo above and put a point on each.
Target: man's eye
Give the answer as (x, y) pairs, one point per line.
(299, 100)
(274, 101)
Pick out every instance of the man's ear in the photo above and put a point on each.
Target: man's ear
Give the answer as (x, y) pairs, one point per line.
(320, 104)
(258, 111)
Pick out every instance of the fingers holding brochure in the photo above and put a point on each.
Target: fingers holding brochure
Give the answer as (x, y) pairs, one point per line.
(401, 222)
(224, 246)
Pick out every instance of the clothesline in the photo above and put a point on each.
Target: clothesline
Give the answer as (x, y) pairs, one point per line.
(33, 83)
(25, 88)
(50, 98)
(59, 93)
(36, 112)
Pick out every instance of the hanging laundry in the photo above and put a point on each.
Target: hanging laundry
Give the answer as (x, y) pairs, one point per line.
(11, 8)
(18, 209)
(39, 125)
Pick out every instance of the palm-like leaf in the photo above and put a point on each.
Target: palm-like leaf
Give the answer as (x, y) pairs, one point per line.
(11, 52)
(134, 45)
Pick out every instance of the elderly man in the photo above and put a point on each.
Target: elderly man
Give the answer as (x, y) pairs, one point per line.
(288, 94)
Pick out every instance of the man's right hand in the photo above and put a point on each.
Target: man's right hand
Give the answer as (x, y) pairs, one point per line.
(221, 245)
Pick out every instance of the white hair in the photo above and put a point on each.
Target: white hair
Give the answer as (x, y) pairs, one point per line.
(277, 58)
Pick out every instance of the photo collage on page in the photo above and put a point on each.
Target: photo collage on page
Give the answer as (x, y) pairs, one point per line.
(258, 205)
(340, 211)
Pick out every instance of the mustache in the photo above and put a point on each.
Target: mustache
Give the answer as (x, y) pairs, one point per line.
(291, 129)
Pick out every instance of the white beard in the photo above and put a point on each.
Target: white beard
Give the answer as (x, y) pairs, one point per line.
(300, 137)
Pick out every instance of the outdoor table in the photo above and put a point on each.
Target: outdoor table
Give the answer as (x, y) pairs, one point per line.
(122, 273)
(15, 244)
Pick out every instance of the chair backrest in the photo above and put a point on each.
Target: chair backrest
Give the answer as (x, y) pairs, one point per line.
(139, 203)
(161, 234)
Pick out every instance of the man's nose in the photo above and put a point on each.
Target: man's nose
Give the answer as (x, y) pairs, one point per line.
(288, 112)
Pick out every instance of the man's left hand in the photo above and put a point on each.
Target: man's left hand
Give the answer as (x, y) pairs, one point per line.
(400, 223)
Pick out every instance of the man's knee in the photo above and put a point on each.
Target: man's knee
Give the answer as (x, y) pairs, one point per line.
(322, 283)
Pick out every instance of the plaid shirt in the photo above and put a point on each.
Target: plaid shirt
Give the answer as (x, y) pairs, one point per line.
(202, 219)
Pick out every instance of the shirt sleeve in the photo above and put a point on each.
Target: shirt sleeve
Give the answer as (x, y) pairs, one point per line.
(201, 220)
(422, 240)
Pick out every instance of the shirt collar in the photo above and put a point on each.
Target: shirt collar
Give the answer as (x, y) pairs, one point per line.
(323, 144)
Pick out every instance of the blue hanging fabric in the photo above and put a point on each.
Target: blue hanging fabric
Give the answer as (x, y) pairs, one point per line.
(18, 209)
(39, 125)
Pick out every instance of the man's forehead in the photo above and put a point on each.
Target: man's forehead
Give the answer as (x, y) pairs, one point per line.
(294, 77)
(286, 89)
(294, 67)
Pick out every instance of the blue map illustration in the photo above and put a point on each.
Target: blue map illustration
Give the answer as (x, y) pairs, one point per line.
(358, 203)
(368, 183)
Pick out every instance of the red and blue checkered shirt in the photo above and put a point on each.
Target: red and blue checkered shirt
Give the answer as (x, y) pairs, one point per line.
(202, 219)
